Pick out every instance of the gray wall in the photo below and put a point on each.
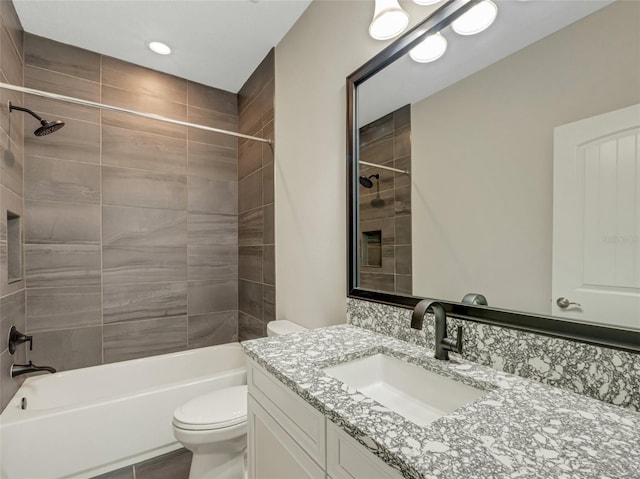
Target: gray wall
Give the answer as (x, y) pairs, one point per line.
(12, 295)
(131, 224)
(255, 203)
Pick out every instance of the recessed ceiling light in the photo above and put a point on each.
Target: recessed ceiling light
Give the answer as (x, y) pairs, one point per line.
(476, 19)
(429, 49)
(426, 2)
(159, 48)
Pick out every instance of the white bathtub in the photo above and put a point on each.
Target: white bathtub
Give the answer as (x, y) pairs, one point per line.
(85, 422)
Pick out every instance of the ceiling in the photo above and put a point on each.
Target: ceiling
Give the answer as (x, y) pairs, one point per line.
(215, 42)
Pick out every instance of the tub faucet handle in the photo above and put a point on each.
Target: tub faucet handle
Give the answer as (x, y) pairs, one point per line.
(16, 338)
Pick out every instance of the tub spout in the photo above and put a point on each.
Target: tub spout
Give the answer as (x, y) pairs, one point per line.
(19, 369)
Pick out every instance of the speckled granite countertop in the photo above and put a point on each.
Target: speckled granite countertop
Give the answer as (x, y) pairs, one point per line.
(521, 429)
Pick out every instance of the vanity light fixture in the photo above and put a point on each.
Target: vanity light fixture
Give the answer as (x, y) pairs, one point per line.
(389, 20)
(429, 49)
(478, 18)
(159, 48)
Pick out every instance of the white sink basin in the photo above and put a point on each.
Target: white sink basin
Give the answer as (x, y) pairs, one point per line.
(419, 395)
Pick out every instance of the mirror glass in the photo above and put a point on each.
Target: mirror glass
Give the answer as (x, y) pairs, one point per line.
(518, 166)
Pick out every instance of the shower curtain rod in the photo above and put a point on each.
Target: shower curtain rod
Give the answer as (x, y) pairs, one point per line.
(151, 116)
(404, 172)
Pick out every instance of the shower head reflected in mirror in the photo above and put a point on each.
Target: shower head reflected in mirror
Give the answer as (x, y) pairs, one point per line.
(366, 182)
(46, 127)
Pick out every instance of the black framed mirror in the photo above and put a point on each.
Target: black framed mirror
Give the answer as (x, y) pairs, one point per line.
(407, 232)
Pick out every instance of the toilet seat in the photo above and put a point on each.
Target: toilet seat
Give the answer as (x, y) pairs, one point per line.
(219, 409)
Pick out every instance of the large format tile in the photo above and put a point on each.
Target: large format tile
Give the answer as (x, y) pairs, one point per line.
(128, 226)
(250, 298)
(140, 264)
(11, 122)
(269, 265)
(49, 179)
(125, 187)
(12, 23)
(62, 58)
(143, 151)
(213, 162)
(137, 339)
(250, 227)
(10, 59)
(146, 103)
(130, 302)
(63, 308)
(61, 265)
(78, 140)
(249, 157)
(209, 98)
(61, 84)
(124, 120)
(213, 328)
(268, 184)
(268, 303)
(212, 262)
(49, 108)
(12, 313)
(68, 348)
(11, 164)
(258, 80)
(213, 296)
(250, 192)
(250, 327)
(268, 224)
(250, 263)
(214, 120)
(61, 223)
(212, 230)
(212, 196)
(143, 81)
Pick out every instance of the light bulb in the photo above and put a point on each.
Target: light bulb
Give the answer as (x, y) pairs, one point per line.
(477, 19)
(389, 20)
(429, 49)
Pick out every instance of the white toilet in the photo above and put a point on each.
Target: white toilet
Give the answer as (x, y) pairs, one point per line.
(214, 425)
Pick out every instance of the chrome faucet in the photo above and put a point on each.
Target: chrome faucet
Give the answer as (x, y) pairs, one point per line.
(443, 344)
(19, 369)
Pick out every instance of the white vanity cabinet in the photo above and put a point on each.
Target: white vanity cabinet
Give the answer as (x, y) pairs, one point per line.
(289, 439)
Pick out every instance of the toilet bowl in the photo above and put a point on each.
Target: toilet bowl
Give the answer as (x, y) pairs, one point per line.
(214, 427)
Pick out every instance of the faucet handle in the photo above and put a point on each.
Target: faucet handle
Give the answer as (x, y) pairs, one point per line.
(16, 338)
(454, 345)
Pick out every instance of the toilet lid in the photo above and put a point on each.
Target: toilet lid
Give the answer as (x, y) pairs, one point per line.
(215, 410)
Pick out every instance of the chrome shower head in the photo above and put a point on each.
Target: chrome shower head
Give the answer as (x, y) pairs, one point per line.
(47, 126)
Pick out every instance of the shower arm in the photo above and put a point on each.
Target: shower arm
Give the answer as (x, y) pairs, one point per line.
(26, 110)
(151, 116)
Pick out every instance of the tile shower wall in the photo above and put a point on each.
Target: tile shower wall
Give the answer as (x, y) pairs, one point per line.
(606, 374)
(131, 224)
(385, 229)
(255, 203)
(12, 293)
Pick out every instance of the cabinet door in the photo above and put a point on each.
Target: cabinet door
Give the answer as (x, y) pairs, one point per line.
(273, 454)
(348, 459)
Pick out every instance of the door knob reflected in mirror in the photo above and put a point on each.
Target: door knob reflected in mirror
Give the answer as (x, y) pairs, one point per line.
(564, 303)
